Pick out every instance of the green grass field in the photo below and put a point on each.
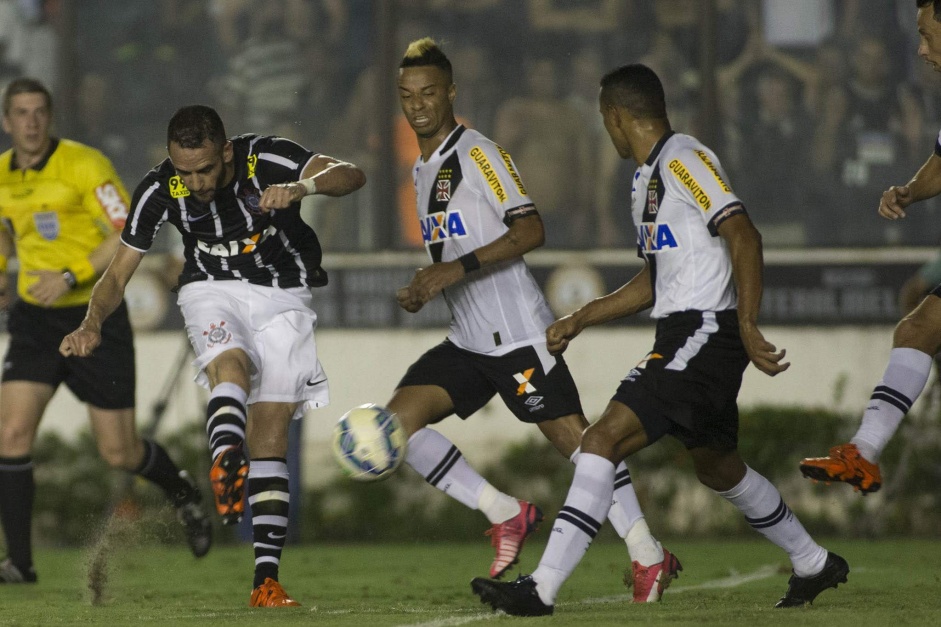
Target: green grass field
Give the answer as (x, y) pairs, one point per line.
(723, 583)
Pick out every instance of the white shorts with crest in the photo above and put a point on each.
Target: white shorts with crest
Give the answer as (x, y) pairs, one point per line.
(275, 328)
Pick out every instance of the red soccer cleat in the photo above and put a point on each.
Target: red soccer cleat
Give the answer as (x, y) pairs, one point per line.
(271, 594)
(228, 475)
(844, 464)
(649, 582)
(508, 537)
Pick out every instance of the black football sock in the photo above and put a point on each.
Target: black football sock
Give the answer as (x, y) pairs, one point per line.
(17, 491)
(160, 469)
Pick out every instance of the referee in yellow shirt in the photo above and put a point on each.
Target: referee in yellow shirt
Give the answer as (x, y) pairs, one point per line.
(62, 208)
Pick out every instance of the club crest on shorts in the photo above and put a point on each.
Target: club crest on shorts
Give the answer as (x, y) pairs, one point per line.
(217, 334)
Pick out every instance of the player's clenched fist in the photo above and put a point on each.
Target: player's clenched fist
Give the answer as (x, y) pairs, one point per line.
(894, 200)
(560, 332)
(80, 343)
(281, 195)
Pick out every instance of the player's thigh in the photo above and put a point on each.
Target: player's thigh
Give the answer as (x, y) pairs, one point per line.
(444, 380)
(267, 428)
(921, 329)
(418, 406)
(116, 436)
(22, 404)
(617, 434)
(565, 432)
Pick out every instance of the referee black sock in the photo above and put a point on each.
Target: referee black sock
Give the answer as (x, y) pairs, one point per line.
(160, 469)
(17, 491)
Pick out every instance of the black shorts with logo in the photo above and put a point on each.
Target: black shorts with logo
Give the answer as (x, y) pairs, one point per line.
(688, 385)
(105, 379)
(471, 380)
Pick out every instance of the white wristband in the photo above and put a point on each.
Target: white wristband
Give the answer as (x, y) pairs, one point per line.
(310, 185)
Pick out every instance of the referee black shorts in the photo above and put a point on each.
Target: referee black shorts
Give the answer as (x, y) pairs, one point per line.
(688, 385)
(105, 380)
(472, 379)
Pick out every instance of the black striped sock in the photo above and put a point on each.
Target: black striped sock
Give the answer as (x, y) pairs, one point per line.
(225, 417)
(269, 499)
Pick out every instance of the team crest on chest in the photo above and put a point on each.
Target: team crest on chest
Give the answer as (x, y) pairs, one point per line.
(251, 198)
(443, 190)
(47, 224)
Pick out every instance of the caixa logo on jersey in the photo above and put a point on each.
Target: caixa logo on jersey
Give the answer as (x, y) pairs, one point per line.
(440, 226)
(653, 237)
(243, 246)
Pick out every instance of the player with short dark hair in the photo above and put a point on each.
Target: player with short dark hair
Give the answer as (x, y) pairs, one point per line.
(478, 221)
(702, 277)
(62, 206)
(917, 337)
(250, 261)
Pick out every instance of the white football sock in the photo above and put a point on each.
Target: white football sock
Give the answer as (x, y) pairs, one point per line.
(901, 385)
(767, 513)
(497, 506)
(440, 462)
(625, 514)
(577, 524)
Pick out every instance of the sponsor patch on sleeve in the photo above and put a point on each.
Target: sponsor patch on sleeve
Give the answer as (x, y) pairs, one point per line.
(715, 171)
(508, 161)
(682, 174)
(489, 173)
(110, 200)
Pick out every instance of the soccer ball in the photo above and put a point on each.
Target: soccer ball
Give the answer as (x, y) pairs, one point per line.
(369, 443)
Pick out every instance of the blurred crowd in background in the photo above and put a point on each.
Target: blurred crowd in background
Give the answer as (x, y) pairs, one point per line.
(819, 104)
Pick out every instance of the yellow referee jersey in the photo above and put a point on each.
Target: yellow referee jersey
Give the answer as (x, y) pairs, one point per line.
(60, 210)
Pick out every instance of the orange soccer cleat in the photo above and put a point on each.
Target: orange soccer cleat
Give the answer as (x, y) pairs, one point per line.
(228, 475)
(271, 594)
(844, 464)
(508, 537)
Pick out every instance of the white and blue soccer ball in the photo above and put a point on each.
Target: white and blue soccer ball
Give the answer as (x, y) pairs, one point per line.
(369, 443)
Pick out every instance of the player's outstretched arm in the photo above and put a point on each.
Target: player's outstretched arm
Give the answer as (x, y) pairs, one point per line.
(323, 175)
(635, 295)
(925, 184)
(105, 298)
(744, 244)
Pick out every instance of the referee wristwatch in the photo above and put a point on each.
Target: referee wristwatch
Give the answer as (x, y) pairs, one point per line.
(69, 278)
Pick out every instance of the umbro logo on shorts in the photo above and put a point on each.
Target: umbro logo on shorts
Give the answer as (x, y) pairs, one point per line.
(533, 400)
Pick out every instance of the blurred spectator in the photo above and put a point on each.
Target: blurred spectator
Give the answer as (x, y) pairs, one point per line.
(548, 140)
(870, 134)
(266, 74)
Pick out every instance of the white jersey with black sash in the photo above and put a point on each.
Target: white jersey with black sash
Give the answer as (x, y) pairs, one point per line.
(230, 238)
(468, 193)
(679, 197)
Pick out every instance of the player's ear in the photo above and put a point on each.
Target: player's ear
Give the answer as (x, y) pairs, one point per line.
(452, 93)
(228, 152)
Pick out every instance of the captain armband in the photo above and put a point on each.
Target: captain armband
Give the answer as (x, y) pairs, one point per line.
(519, 212)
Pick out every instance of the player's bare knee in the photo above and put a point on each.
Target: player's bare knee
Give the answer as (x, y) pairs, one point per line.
(917, 331)
(15, 441)
(118, 457)
(597, 440)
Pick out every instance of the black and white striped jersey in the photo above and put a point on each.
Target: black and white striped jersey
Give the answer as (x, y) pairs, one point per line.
(679, 197)
(468, 194)
(230, 239)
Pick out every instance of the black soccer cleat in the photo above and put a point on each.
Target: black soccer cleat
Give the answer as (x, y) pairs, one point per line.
(11, 573)
(517, 598)
(803, 590)
(195, 520)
